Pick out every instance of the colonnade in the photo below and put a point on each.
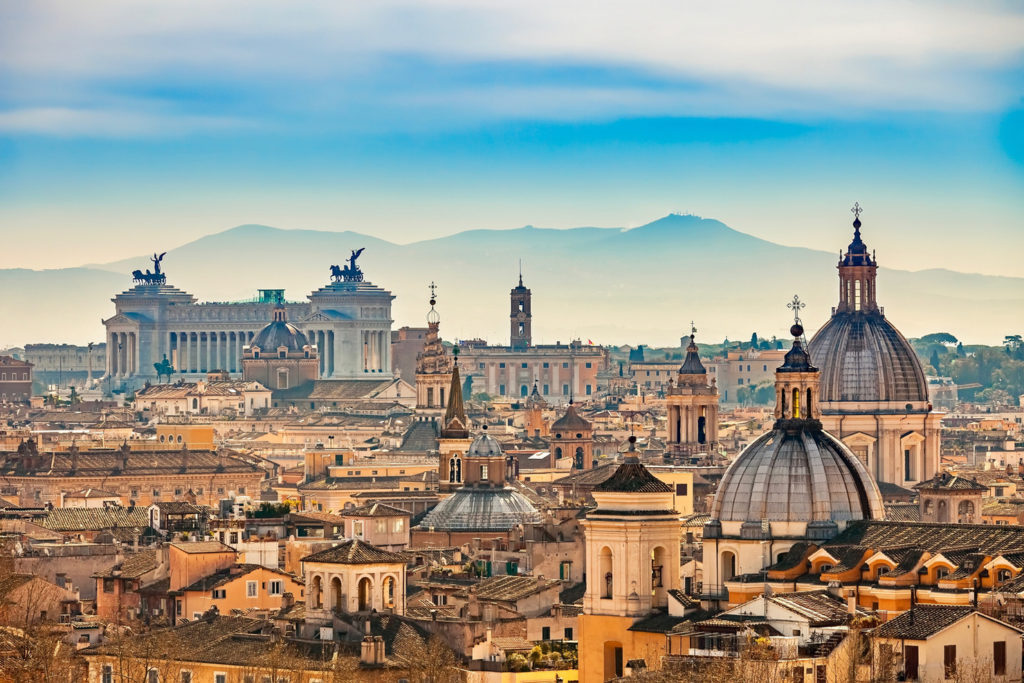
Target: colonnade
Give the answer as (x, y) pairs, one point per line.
(324, 342)
(123, 354)
(376, 351)
(198, 352)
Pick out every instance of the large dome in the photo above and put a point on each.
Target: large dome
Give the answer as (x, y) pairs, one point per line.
(802, 475)
(862, 357)
(280, 333)
(473, 509)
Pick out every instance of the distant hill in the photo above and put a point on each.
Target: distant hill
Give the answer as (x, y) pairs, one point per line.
(610, 285)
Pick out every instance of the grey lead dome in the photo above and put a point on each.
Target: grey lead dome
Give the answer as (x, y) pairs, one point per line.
(862, 357)
(807, 476)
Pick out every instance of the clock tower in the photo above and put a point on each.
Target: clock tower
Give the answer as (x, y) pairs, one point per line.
(520, 317)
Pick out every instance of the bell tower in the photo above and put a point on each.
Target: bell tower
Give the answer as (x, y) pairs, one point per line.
(433, 367)
(632, 550)
(453, 441)
(521, 336)
(692, 408)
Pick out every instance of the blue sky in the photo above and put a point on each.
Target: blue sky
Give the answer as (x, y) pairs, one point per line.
(129, 126)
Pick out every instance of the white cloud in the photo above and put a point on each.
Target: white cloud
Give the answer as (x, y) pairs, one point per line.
(751, 57)
(68, 122)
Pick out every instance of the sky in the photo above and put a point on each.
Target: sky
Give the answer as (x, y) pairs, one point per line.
(129, 126)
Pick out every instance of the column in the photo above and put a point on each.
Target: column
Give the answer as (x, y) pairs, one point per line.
(133, 356)
(330, 353)
(123, 353)
(209, 351)
(362, 350)
(112, 355)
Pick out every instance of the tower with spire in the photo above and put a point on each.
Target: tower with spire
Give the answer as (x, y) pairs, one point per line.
(571, 436)
(692, 404)
(521, 337)
(433, 366)
(453, 440)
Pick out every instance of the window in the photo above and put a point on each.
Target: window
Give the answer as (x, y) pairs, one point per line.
(357, 528)
(223, 678)
(483, 472)
(681, 489)
(399, 525)
(565, 365)
(546, 365)
(152, 676)
(589, 390)
(999, 658)
(108, 585)
(251, 589)
(501, 388)
(949, 660)
(276, 587)
(565, 389)
(219, 593)
(156, 493)
(524, 365)
(501, 365)
(108, 674)
(545, 389)
(381, 526)
(186, 677)
(568, 633)
(545, 633)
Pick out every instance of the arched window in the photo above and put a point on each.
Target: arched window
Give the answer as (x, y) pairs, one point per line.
(796, 403)
(558, 453)
(337, 601)
(606, 573)
(659, 592)
(316, 592)
(388, 592)
(365, 594)
(965, 512)
(1003, 575)
(807, 406)
(702, 436)
(451, 470)
(824, 569)
(458, 469)
(579, 458)
(195, 404)
(941, 573)
(727, 568)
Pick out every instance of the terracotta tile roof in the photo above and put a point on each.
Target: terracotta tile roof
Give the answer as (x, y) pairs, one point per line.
(335, 390)
(987, 538)
(95, 519)
(133, 567)
(947, 481)
(573, 594)
(683, 599)
(922, 622)
(903, 512)
(199, 547)
(588, 478)
(659, 622)
(375, 510)
(316, 516)
(511, 588)
(12, 582)
(355, 551)
(792, 558)
(820, 608)
(180, 507)
(109, 463)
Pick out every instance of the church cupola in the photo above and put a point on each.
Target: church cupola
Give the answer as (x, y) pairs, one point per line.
(796, 386)
(857, 271)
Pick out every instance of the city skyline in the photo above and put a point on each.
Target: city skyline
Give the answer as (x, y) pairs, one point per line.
(410, 121)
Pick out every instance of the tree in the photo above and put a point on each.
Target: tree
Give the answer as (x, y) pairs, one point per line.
(938, 338)
(935, 362)
(753, 341)
(430, 661)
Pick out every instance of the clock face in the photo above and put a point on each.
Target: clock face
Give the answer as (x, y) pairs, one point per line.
(521, 316)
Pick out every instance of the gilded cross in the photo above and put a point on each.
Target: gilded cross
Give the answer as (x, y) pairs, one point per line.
(693, 328)
(795, 305)
(433, 291)
(856, 210)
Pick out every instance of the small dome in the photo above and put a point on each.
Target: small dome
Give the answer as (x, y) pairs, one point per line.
(570, 422)
(484, 446)
(280, 333)
(864, 358)
(470, 509)
(691, 364)
(804, 475)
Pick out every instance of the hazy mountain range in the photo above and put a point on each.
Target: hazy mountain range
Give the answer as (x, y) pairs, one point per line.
(609, 285)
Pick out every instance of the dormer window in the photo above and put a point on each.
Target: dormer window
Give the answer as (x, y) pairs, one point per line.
(281, 353)
(256, 354)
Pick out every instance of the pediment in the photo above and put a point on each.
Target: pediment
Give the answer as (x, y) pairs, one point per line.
(859, 439)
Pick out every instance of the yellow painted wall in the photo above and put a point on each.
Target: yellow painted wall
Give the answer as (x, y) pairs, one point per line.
(236, 597)
(596, 630)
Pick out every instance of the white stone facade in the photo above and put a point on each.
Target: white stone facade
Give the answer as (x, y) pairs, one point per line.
(349, 322)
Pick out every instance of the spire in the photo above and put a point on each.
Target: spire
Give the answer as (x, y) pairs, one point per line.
(432, 316)
(455, 425)
(692, 365)
(857, 253)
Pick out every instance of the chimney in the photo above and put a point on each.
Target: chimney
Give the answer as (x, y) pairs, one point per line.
(851, 602)
(287, 600)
